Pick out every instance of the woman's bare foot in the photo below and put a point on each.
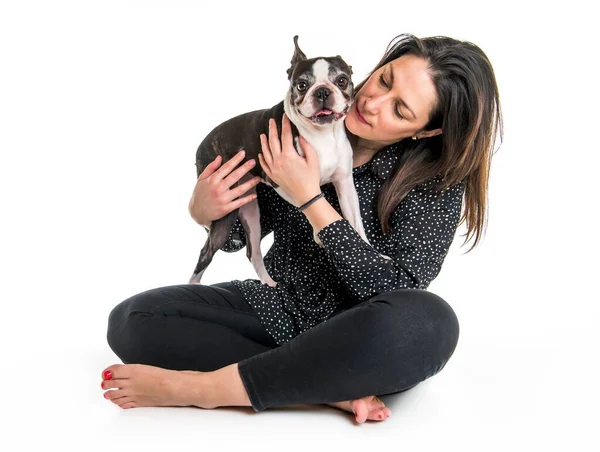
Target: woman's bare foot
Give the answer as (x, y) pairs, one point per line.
(139, 385)
(370, 407)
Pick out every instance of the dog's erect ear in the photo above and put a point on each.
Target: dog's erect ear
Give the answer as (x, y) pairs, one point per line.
(298, 56)
(349, 67)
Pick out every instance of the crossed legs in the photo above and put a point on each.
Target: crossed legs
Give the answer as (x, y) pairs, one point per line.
(384, 345)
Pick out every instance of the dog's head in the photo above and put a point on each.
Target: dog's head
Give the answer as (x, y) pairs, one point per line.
(321, 89)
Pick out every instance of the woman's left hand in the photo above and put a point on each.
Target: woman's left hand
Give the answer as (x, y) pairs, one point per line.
(298, 176)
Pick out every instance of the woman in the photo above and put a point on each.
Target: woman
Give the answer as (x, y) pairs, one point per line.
(347, 321)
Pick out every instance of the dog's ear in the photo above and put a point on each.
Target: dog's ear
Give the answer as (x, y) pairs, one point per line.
(349, 67)
(298, 56)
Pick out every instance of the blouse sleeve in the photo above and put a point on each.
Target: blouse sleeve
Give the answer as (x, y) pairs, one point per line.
(421, 237)
(237, 236)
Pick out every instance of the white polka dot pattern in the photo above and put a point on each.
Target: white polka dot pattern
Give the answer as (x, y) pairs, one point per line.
(313, 282)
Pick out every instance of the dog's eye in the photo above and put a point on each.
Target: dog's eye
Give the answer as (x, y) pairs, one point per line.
(342, 82)
(301, 86)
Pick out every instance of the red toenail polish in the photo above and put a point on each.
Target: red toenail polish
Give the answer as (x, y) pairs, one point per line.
(107, 375)
(102, 384)
(380, 416)
(105, 394)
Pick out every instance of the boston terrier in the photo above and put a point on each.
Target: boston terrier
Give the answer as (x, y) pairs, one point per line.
(320, 93)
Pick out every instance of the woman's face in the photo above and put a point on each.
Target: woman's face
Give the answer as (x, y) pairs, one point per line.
(394, 103)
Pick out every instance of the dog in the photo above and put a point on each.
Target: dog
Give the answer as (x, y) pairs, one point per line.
(319, 96)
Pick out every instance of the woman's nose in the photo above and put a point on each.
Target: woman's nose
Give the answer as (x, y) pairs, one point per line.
(372, 104)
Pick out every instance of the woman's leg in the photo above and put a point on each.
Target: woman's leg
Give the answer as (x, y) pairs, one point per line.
(384, 345)
(187, 327)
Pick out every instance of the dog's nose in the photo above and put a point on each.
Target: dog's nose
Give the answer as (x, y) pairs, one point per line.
(322, 94)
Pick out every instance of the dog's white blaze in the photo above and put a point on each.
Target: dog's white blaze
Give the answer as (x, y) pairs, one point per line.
(321, 71)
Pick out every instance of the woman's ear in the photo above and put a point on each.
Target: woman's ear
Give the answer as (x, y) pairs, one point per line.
(429, 133)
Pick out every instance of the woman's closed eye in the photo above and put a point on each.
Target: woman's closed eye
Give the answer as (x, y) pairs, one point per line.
(384, 83)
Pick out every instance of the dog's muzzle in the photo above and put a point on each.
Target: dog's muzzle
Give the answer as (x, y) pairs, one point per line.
(326, 116)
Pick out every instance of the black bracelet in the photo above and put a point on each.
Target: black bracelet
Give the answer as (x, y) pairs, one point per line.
(304, 206)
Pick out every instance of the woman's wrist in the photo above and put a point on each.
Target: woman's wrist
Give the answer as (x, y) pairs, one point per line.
(311, 201)
(307, 196)
(320, 214)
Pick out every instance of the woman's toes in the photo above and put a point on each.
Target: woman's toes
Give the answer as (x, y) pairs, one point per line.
(371, 408)
(361, 412)
(381, 415)
(113, 371)
(128, 405)
(109, 395)
(378, 409)
(122, 401)
(113, 384)
(114, 394)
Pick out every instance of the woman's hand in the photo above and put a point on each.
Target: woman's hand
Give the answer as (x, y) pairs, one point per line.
(298, 176)
(212, 198)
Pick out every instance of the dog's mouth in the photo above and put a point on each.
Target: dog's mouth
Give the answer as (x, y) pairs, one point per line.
(326, 116)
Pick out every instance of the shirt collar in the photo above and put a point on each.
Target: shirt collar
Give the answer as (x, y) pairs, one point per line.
(382, 163)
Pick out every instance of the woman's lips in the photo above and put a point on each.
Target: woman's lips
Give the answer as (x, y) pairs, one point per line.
(360, 117)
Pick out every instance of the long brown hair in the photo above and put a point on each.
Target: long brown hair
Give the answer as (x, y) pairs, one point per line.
(468, 112)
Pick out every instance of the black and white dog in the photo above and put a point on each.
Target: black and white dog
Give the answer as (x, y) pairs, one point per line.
(320, 94)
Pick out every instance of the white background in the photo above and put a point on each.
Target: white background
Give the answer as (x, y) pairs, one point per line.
(102, 108)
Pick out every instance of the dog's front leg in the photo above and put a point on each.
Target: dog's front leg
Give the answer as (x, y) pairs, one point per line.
(349, 204)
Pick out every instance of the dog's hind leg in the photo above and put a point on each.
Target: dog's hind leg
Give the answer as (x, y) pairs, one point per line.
(250, 218)
(217, 236)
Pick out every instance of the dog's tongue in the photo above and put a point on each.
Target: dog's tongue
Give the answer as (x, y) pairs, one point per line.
(324, 112)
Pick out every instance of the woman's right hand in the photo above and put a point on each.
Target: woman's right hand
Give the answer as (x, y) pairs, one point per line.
(212, 198)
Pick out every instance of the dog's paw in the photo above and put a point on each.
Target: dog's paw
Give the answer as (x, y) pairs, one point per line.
(317, 239)
(268, 281)
(194, 279)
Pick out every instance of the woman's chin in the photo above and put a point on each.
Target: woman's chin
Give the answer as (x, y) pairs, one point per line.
(350, 123)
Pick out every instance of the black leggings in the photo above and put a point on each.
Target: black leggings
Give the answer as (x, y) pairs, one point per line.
(381, 346)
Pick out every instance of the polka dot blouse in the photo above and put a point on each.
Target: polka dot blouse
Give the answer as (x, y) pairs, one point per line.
(313, 283)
